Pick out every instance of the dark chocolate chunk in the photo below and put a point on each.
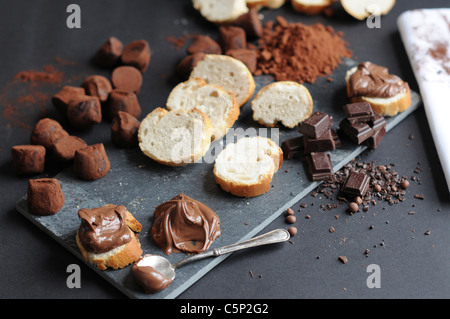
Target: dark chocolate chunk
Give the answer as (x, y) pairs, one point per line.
(316, 125)
(375, 140)
(336, 138)
(358, 132)
(323, 143)
(320, 166)
(292, 147)
(358, 112)
(356, 184)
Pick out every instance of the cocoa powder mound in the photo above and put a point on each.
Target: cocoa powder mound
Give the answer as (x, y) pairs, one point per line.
(299, 52)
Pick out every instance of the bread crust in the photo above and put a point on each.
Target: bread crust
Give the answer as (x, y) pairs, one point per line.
(120, 256)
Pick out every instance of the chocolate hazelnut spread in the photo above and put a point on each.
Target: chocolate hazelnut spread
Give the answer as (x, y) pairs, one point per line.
(148, 277)
(375, 81)
(184, 224)
(103, 229)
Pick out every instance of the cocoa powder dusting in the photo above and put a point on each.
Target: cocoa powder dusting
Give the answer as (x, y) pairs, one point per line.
(299, 52)
(48, 75)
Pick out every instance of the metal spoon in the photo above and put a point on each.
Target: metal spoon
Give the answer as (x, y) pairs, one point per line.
(163, 265)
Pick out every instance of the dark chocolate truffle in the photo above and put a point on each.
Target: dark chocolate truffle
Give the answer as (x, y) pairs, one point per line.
(64, 148)
(137, 54)
(46, 132)
(97, 85)
(204, 44)
(187, 64)
(67, 93)
(45, 196)
(28, 159)
(127, 78)
(120, 100)
(84, 112)
(124, 129)
(232, 37)
(91, 162)
(108, 55)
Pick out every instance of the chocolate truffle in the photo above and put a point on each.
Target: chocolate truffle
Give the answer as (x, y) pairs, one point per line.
(46, 132)
(45, 196)
(64, 148)
(127, 78)
(108, 55)
(97, 85)
(246, 56)
(28, 159)
(120, 100)
(67, 93)
(84, 112)
(137, 54)
(187, 64)
(232, 37)
(91, 162)
(124, 129)
(204, 44)
(251, 23)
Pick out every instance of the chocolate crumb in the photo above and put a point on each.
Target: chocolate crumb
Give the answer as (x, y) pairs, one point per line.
(343, 259)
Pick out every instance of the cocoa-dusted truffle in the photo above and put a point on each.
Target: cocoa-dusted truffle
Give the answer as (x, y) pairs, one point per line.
(91, 162)
(127, 78)
(28, 159)
(97, 85)
(187, 64)
(246, 56)
(46, 132)
(232, 37)
(108, 55)
(45, 196)
(251, 23)
(64, 148)
(84, 112)
(67, 93)
(124, 129)
(137, 54)
(204, 44)
(120, 100)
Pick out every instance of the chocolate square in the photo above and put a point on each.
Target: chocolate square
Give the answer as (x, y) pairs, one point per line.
(375, 140)
(316, 125)
(323, 143)
(292, 147)
(378, 122)
(358, 112)
(356, 184)
(357, 132)
(320, 166)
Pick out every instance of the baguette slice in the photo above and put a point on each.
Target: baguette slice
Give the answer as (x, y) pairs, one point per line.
(118, 257)
(227, 72)
(361, 9)
(385, 106)
(175, 138)
(219, 105)
(311, 7)
(246, 168)
(287, 102)
(271, 4)
(221, 11)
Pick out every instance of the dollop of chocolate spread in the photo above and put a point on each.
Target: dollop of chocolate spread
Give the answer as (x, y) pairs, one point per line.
(375, 81)
(148, 277)
(184, 224)
(103, 229)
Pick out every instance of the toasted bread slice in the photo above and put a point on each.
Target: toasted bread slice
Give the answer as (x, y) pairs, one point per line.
(219, 105)
(361, 9)
(227, 72)
(118, 257)
(221, 11)
(287, 102)
(389, 106)
(246, 168)
(175, 138)
(311, 7)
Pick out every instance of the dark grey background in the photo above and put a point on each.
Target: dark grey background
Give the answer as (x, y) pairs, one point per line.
(413, 265)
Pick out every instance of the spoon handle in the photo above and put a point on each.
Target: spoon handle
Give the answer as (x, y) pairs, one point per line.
(274, 236)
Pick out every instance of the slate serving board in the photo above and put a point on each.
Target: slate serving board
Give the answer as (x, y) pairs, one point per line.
(141, 184)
